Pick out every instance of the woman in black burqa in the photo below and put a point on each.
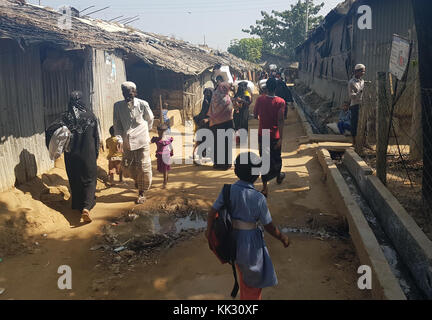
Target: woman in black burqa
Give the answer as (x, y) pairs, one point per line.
(83, 151)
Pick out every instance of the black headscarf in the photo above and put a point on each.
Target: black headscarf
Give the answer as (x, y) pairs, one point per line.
(77, 119)
(205, 107)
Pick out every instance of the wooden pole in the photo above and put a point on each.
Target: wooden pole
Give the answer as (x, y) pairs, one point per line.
(382, 127)
(161, 110)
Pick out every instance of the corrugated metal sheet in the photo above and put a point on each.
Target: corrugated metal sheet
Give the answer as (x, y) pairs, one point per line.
(108, 75)
(23, 154)
(372, 47)
(59, 80)
(327, 64)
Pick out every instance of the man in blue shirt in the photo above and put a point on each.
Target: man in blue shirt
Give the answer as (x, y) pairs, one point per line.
(344, 119)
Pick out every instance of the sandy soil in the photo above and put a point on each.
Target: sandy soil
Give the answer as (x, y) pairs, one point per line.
(39, 233)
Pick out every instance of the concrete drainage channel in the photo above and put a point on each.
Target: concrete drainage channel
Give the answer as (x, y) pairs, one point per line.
(386, 238)
(399, 269)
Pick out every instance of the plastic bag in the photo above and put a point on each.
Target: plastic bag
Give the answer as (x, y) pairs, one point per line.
(59, 143)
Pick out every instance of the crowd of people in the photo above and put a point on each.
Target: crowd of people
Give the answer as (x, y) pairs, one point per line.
(225, 109)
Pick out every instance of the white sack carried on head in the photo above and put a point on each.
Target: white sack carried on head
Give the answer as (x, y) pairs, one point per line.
(225, 73)
(250, 85)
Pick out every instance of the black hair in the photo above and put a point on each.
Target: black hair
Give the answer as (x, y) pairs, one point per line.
(111, 130)
(244, 170)
(219, 78)
(217, 66)
(271, 85)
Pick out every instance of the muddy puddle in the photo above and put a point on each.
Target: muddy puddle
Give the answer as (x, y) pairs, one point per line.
(140, 236)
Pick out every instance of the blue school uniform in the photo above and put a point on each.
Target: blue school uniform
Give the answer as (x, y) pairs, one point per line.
(253, 258)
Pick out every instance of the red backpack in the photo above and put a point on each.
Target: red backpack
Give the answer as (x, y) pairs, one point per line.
(221, 238)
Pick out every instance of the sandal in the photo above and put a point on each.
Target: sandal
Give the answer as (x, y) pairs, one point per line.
(85, 216)
(280, 178)
(140, 199)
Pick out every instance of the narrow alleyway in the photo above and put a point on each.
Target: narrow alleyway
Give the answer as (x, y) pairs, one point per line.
(311, 268)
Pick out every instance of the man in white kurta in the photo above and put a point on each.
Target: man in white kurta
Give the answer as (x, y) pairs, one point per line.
(132, 120)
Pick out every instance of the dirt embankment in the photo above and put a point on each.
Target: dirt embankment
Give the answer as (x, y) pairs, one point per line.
(321, 110)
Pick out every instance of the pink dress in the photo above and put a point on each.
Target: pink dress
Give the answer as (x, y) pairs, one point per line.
(163, 153)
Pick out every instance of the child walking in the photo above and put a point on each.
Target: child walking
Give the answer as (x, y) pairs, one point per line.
(115, 155)
(248, 207)
(164, 151)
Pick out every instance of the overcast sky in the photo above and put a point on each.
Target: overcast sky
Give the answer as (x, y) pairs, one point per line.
(189, 20)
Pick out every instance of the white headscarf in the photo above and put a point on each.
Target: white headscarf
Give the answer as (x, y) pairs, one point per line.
(359, 67)
(128, 85)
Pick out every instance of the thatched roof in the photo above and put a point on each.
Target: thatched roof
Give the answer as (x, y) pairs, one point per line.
(31, 24)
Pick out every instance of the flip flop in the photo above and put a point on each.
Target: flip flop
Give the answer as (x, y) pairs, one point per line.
(85, 216)
(140, 200)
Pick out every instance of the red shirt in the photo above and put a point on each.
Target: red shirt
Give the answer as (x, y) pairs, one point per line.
(267, 109)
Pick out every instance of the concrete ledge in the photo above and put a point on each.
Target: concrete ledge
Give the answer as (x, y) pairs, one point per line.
(384, 285)
(357, 167)
(412, 244)
(329, 138)
(306, 125)
(409, 240)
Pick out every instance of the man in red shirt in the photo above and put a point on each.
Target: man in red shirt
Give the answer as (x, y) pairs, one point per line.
(270, 109)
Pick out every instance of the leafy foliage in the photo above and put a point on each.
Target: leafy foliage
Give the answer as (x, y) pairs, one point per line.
(282, 32)
(249, 49)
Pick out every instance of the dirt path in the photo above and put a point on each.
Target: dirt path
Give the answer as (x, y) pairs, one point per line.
(311, 268)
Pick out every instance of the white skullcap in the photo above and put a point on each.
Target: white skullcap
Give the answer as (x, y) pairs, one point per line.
(128, 85)
(359, 67)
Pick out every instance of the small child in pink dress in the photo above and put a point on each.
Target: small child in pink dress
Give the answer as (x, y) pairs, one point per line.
(164, 152)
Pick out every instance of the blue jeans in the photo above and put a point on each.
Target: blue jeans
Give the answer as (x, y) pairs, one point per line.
(342, 126)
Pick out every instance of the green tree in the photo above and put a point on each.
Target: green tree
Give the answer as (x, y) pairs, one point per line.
(249, 49)
(282, 32)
